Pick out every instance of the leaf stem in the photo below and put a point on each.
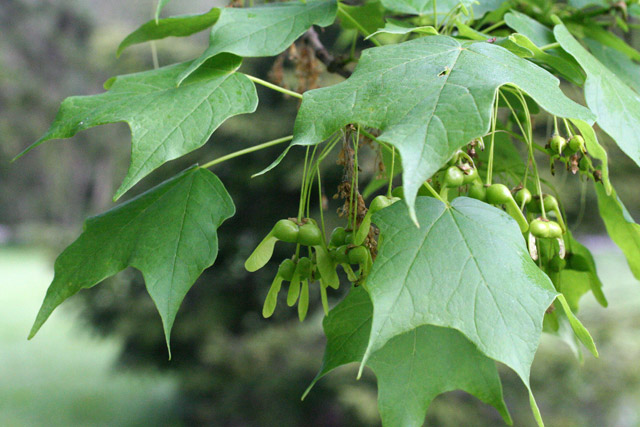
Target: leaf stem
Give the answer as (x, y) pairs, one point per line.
(274, 87)
(303, 186)
(356, 24)
(568, 127)
(434, 192)
(549, 46)
(435, 15)
(393, 165)
(247, 151)
(493, 27)
(320, 202)
(493, 134)
(530, 143)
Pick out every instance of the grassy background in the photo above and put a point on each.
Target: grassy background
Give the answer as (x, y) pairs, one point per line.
(64, 376)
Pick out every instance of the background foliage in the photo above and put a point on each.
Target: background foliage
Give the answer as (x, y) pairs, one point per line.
(226, 358)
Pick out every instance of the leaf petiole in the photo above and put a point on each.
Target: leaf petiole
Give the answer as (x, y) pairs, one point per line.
(434, 192)
(247, 151)
(274, 87)
(352, 20)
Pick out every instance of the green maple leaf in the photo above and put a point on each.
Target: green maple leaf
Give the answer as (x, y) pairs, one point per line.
(424, 7)
(175, 26)
(621, 227)
(615, 104)
(536, 36)
(616, 61)
(168, 233)
(466, 268)
(264, 30)
(412, 368)
(584, 276)
(429, 97)
(166, 121)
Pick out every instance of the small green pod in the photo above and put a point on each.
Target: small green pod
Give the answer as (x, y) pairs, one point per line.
(557, 144)
(286, 269)
(337, 237)
(539, 228)
(498, 194)
(309, 235)
(453, 177)
(286, 230)
(358, 255)
(478, 191)
(470, 176)
(523, 196)
(555, 230)
(339, 254)
(576, 143)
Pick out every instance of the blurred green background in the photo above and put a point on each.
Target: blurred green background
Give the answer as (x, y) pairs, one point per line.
(101, 358)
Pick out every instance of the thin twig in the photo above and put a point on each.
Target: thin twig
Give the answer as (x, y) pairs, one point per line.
(333, 65)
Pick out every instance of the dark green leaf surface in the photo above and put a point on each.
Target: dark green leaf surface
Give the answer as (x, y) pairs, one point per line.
(614, 103)
(166, 121)
(264, 30)
(369, 16)
(413, 368)
(168, 233)
(176, 26)
(622, 229)
(466, 268)
(429, 97)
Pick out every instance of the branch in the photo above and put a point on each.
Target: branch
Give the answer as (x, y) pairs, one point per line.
(333, 65)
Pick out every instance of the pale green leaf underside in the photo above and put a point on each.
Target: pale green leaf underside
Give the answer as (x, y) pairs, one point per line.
(166, 121)
(540, 36)
(429, 97)
(616, 106)
(264, 30)
(393, 26)
(413, 368)
(175, 26)
(587, 272)
(168, 233)
(443, 7)
(622, 229)
(424, 7)
(466, 268)
(616, 61)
